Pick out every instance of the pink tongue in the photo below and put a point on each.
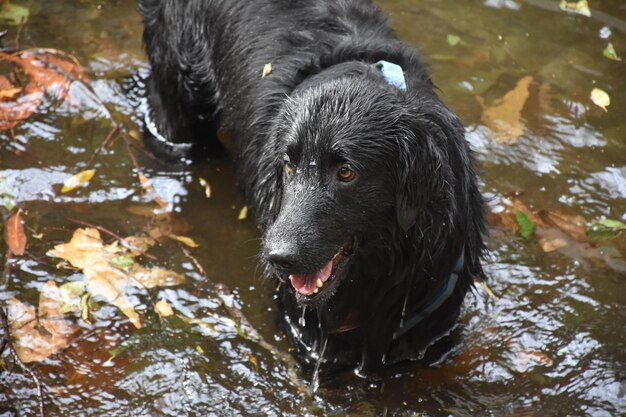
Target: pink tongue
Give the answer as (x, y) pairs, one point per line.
(306, 284)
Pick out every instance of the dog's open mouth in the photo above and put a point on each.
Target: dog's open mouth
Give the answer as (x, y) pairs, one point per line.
(310, 285)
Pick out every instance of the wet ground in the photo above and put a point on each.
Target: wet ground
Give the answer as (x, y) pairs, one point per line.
(550, 341)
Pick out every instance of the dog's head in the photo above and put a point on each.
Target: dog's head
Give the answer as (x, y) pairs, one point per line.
(363, 167)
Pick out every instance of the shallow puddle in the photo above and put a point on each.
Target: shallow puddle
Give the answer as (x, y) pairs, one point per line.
(550, 341)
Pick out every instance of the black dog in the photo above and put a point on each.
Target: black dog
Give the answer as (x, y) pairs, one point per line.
(360, 176)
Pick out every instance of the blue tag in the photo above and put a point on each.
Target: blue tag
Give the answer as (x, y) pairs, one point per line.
(392, 73)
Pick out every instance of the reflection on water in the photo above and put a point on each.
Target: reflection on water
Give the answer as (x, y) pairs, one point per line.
(551, 343)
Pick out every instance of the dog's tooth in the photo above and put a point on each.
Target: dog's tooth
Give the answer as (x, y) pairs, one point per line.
(316, 290)
(319, 283)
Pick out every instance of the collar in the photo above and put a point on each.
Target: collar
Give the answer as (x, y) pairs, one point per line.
(444, 293)
(392, 73)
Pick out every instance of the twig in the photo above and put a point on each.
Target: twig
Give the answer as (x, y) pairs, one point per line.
(143, 180)
(6, 273)
(7, 342)
(201, 270)
(104, 143)
(19, 32)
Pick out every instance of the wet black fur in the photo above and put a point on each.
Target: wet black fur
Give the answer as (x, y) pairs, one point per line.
(415, 203)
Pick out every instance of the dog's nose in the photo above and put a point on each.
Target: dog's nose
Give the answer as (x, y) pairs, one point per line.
(282, 258)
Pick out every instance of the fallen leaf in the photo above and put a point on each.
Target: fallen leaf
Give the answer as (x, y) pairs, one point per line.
(77, 180)
(453, 40)
(13, 14)
(526, 226)
(184, 239)
(156, 277)
(137, 245)
(504, 118)
(16, 237)
(122, 262)
(87, 252)
(606, 229)
(46, 71)
(71, 293)
(600, 98)
(163, 308)
(610, 53)
(243, 213)
(579, 7)
(7, 200)
(267, 70)
(207, 187)
(551, 239)
(38, 339)
(571, 223)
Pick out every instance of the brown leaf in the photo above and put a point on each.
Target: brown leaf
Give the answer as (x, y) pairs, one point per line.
(38, 339)
(571, 223)
(16, 237)
(504, 118)
(47, 71)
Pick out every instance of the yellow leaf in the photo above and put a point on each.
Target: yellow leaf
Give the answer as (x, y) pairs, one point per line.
(184, 239)
(77, 180)
(267, 70)
(600, 98)
(86, 251)
(155, 277)
(580, 7)
(243, 214)
(207, 187)
(163, 308)
(504, 119)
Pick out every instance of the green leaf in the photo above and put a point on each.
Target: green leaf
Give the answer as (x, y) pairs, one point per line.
(453, 40)
(610, 53)
(71, 293)
(13, 14)
(526, 226)
(8, 201)
(122, 262)
(606, 229)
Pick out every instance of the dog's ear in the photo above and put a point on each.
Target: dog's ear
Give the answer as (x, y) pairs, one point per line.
(426, 181)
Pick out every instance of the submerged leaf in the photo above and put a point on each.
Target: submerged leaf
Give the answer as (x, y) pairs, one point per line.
(453, 40)
(579, 7)
(13, 14)
(526, 226)
(610, 53)
(600, 98)
(504, 118)
(606, 229)
(38, 338)
(77, 180)
(101, 266)
(71, 293)
(16, 237)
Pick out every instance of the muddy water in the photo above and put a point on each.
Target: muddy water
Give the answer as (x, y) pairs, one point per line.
(552, 341)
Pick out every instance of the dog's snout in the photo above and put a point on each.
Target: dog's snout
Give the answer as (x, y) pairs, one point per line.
(282, 257)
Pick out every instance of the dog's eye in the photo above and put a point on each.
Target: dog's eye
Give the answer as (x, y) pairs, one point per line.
(288, 165)
(345, 174)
